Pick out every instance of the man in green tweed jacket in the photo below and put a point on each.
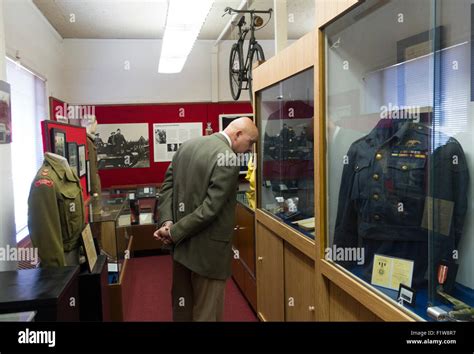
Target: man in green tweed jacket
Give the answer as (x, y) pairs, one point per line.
(197, 207)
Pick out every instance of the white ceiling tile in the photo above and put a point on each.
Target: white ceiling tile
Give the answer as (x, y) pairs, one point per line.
(145, 19)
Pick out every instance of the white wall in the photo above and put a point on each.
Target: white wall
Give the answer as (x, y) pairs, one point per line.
(98, 71)
(39, 46)
(126, 71)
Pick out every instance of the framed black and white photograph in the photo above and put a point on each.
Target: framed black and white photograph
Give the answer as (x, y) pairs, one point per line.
(123, 145)
(172, 147)
(226, 119)
(160, 136)
(88, 176)
(58, 142)
(82, 160)
(72, 157)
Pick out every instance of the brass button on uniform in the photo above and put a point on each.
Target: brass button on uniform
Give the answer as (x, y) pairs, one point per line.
(379, 156)
(376, 177)
(376, 196)
(404, 167)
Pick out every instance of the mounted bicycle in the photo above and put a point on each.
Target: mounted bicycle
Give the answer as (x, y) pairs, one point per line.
(240, 71)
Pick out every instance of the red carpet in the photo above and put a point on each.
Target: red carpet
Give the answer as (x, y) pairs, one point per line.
(152, 293)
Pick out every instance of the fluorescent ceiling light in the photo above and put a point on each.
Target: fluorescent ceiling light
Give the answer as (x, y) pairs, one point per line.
(183, 24)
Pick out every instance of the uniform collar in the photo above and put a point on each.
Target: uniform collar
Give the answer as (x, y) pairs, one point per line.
(58, 167)
(385, 130)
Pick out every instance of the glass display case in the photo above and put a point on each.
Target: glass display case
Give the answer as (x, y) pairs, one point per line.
(400, 153)
(109, 218)
(242, 198)
(285, 170)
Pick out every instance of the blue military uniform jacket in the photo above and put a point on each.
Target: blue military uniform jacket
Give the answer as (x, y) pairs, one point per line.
(390, 204)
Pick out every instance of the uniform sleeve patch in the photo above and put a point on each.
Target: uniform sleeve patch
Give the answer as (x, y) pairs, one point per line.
(44, 182)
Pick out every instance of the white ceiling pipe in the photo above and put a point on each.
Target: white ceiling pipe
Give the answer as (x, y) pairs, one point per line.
(244, 3)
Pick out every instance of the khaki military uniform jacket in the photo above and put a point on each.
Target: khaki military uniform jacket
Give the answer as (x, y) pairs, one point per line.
(55, 212)
(94, 167)
(199, 196)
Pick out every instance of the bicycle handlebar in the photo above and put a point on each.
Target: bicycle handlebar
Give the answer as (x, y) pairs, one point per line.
(231, 10)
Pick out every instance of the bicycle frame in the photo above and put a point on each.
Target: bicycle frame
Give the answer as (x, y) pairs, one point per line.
(245, 64)
(252, 41)
(237, 76)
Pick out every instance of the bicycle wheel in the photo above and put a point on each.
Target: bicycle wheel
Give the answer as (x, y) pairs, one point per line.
(235, 72)
(256, 55)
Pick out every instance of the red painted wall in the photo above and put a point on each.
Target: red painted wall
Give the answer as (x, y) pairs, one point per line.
(74, 134)
(158, 113)
(56, 106)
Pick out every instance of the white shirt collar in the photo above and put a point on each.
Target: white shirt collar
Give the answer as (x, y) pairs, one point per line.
(227, 137)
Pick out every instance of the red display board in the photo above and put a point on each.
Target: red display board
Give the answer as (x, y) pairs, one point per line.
(158, 113)
(57, 108)
(74, 134)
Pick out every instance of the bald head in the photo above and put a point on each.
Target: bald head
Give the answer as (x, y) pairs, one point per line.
(243, 133)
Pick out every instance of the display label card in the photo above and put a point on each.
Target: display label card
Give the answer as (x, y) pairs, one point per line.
(406, 295)
(114, 267)
(146, 218)
(390, 272)
(124, 220)
(89, 247)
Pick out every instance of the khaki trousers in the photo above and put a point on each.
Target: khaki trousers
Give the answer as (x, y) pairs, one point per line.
(196, 298)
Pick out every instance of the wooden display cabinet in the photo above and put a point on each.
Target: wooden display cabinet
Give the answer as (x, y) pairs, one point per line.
(299, 286)
(270, 275)
(243, 264)
(111, 225)
(146, 203)
(286, 281)
(286, 253)
(341, 296)
(294, 282)
(120, 292)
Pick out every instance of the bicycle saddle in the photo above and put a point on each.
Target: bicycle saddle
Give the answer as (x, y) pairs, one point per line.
(241, 21)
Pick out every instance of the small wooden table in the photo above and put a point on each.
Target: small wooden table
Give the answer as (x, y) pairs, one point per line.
(51, 292)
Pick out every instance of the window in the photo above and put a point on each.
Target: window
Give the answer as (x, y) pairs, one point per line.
(28, 104)
(415, 91)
